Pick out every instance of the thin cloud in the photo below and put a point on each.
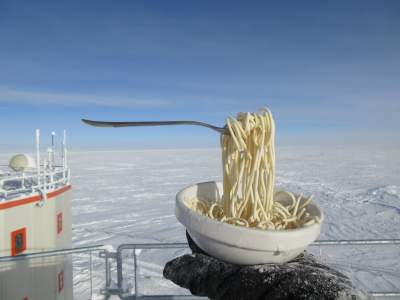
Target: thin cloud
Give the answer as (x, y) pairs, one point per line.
(70, 99)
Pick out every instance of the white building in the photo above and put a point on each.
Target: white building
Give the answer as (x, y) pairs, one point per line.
(35, 215)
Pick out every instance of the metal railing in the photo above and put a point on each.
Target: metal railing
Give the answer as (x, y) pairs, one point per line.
(115, 259)
(52, 253)
(12, 186)
(87, 250)
(119, 261)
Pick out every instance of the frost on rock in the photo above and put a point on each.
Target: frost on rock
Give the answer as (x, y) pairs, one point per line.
(301, 278)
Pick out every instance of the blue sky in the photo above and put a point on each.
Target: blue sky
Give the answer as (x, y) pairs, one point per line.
(329, 71)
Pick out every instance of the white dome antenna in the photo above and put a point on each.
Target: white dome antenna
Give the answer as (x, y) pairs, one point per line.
(22, 162)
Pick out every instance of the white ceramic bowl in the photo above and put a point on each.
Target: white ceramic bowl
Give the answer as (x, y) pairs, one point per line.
(241, 245)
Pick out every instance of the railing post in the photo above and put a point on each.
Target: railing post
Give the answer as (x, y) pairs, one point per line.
(108, 279)
(90, 272)
(119, 270)
(135, 271)
(110, 287)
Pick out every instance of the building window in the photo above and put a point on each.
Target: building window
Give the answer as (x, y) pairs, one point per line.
(18, 241)
(59, 223)
(60, 281)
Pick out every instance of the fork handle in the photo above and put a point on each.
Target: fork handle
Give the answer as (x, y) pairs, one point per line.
(151, 123)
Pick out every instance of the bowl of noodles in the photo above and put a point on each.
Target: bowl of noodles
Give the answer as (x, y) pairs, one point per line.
(243, 220)
(236, 243)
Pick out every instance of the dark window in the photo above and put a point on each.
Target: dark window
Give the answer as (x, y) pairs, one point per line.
(18, 241)
(59, 223)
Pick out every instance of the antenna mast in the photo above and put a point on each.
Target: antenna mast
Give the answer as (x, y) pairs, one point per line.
(65, 149)
(38, 155)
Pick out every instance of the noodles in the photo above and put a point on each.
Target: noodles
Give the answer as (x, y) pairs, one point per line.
(248, 160)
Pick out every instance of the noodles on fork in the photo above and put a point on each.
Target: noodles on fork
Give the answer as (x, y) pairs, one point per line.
(248, 160)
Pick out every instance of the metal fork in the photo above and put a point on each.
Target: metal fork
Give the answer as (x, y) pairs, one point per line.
(222, 130)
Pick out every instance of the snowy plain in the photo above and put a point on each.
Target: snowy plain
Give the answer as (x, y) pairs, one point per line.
(128, 197)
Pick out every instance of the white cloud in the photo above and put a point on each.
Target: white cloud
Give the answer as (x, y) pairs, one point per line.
(70, 99)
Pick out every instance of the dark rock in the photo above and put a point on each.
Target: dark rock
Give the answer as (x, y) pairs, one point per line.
(301, 278)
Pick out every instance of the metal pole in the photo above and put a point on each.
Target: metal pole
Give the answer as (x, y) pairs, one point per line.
(135, 272)
(90, 272)
(119, 270)
(384, 294)
(65, 148)
(108, 279)
(52, 148)
(38, 156)
(51, 253)
(65, 160)
(356, 242)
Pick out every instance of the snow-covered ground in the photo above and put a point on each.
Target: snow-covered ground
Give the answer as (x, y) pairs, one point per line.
(128, 196)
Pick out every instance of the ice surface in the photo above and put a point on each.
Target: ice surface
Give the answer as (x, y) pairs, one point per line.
(128, 196)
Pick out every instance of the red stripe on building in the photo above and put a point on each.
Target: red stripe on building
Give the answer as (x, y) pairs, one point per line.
(23, 201)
